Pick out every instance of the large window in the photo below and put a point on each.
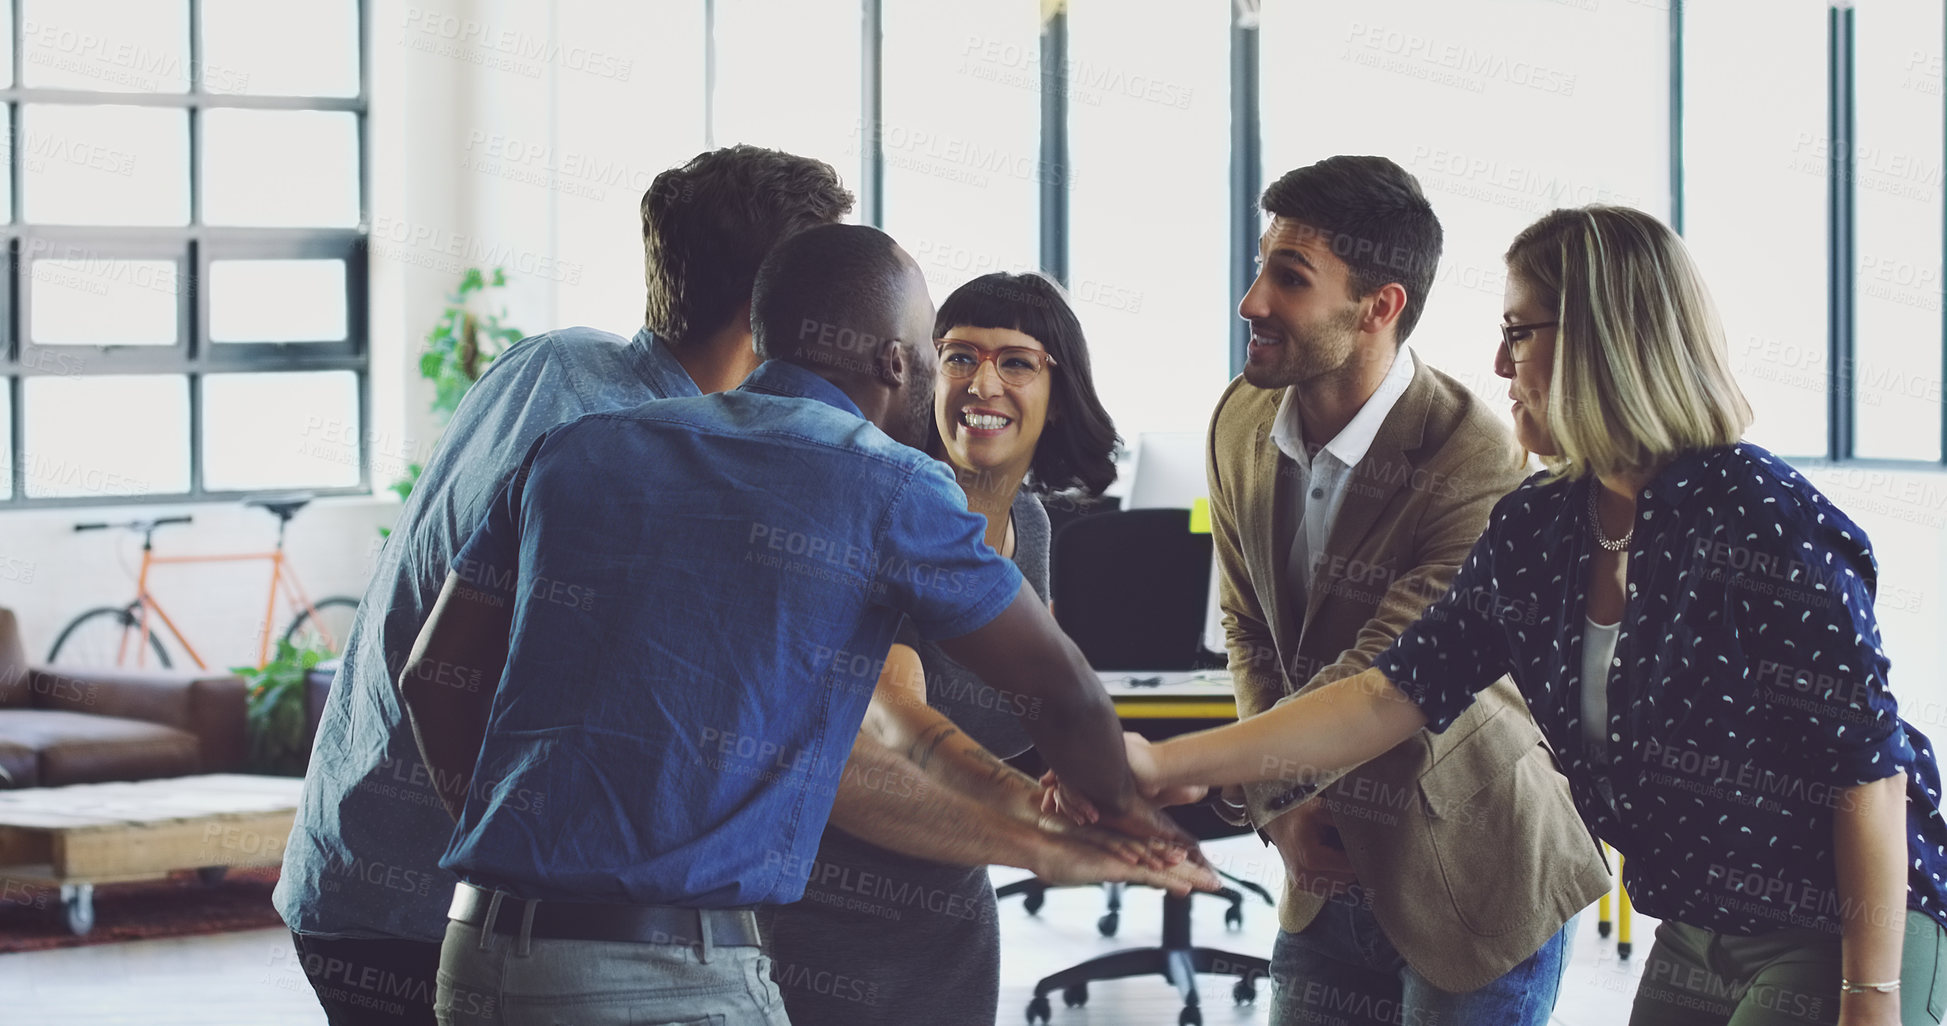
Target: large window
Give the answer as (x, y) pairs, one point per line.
(1813, 181)
(1896, 175)
(1149, 224)
(1754, 183)
(767, 94)
(1501, 119)
(185, 199)
(960, 136)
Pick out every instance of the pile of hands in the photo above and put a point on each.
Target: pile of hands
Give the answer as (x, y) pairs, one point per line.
(1306, 837)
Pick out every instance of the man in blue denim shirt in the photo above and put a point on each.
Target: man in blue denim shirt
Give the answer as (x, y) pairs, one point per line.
(362, 890)
(659, 595)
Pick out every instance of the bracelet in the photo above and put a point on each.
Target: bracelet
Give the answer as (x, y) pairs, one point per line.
(1849, 987)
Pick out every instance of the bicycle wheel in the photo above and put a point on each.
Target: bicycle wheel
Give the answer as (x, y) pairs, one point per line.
(329, 631)
(104, 637)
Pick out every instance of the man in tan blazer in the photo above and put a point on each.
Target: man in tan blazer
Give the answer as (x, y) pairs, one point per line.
(1348, 480)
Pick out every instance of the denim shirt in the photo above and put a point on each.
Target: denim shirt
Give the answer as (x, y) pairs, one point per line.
(703, 591)
(363, 856)
(1747, 691)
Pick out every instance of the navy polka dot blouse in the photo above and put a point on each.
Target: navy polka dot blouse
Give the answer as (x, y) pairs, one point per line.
(1747, 692)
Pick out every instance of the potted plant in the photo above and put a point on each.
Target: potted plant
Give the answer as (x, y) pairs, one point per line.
(274, 723)
(459, 348)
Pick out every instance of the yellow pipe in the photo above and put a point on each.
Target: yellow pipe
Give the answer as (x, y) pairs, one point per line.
(1213, 709)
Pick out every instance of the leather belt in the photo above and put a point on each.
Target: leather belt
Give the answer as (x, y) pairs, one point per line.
(595, 921)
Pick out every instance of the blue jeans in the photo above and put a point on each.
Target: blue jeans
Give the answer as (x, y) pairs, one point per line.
(1342, 970)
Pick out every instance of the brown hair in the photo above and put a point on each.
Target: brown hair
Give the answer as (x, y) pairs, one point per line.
(1377, 219)
(707, 225)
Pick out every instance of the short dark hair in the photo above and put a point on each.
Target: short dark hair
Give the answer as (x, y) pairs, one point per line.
(1077, 447)
(836, 285)
(1379, 222)
(708, 224)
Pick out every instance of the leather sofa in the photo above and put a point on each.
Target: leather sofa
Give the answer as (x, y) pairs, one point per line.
(75, 726)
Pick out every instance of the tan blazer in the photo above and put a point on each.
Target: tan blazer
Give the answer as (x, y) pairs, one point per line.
(1467, 840)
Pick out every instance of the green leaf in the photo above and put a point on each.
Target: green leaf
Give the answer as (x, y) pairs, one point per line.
(274, 716)
(440, 362)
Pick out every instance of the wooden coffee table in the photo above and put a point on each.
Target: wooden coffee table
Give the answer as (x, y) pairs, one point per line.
(77, 836)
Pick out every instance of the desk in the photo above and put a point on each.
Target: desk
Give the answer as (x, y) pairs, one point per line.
(1171, 695)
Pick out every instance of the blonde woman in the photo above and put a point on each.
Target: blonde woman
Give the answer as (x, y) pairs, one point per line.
(1692, 624)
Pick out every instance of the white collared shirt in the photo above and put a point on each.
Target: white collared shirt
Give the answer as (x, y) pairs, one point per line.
(1318, 482)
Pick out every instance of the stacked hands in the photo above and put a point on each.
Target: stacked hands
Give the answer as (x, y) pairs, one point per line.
(1306, 837)
(1142, 845)
(1143, 834)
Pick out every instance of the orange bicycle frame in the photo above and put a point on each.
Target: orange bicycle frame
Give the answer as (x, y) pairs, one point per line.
(293, 593)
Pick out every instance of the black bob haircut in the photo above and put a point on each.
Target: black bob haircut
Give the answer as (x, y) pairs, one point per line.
(1077, 447)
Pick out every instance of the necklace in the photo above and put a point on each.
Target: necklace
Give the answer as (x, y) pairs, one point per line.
(1595, 524)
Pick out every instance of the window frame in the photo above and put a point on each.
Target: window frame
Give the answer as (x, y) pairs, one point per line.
(192, 247)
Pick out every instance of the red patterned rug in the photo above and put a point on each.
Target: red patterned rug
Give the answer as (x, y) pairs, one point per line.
(31, 919)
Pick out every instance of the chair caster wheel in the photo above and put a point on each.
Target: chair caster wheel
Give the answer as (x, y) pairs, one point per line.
(1622, 951)
(1244, 993)
(1602, 928)
(1234, 918)
(1032, 901)
(1076, 996)
(1192, 1016)
(1038, 1010)
(1109, 924)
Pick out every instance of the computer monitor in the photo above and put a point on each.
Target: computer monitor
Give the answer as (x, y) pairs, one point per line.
(1169, 473)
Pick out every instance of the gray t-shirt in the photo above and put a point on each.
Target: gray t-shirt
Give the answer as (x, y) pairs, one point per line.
(881, 939)
(990, 715)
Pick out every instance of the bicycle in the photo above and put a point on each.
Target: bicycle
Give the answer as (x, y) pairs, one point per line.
(111, 635)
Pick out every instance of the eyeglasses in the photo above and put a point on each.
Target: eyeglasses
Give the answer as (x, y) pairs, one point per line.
(1508, 340)
(1017, 365)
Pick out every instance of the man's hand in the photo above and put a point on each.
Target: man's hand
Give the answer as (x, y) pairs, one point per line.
(1165, 843)
(1142, 766)
(1309, 842)
(1035, 812)
(1147, 821)
(1079, 855)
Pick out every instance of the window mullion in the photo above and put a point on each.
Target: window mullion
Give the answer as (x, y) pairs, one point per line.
(1842, 236)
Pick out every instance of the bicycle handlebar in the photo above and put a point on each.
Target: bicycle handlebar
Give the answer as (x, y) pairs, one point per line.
(136, 525)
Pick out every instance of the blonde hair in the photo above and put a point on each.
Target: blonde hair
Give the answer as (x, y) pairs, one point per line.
(1642, 371)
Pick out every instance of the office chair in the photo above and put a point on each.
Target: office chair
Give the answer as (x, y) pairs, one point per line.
(1130, 588)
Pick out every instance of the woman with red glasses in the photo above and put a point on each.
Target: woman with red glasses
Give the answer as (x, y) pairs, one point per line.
(880, 937)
